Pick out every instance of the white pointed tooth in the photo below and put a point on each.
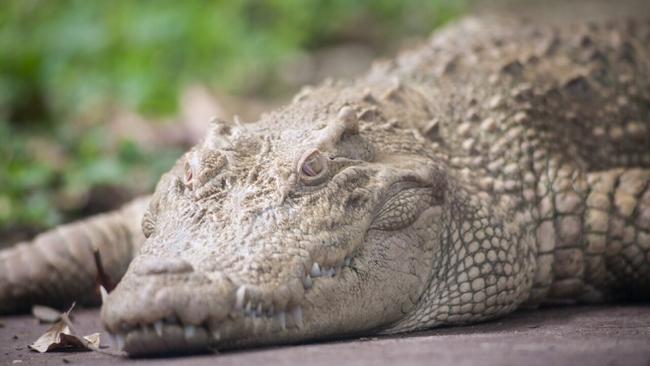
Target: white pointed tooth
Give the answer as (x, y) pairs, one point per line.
(282, 319)
(315, 270)
(240, 297)
(347, 261)
(104, 293)
(190, 331)
(158, 326)
(296, 313)
(248, 308)
(119, 341)
(307, 282)
(259, 310)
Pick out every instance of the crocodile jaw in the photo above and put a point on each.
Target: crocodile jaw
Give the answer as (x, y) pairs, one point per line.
(360, 294)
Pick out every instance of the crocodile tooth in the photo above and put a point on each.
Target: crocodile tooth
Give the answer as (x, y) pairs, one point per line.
(104, 293)
(347, 261)
(241, 296)
(248, 308)
(307, 282)
(315, 270)
(282, 319)
(119, 341)
(259, 310)
(296, 313)
(190, 331)
(158, 326)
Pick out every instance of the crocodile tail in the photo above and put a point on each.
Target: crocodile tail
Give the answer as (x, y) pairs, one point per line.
(68, 263)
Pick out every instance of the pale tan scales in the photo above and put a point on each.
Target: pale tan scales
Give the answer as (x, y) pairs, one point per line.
(502, 164)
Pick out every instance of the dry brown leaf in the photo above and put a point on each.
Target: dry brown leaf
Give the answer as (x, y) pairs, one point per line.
(61, 337)
(50, 339)
(89, 342)
(93, 339)
(46, 314)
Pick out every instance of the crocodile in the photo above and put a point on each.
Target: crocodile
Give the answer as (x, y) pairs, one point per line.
(502, 164)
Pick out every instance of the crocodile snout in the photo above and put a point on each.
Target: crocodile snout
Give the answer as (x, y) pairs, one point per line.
(166, 306)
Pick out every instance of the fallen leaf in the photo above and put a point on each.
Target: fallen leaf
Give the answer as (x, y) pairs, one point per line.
(46, 314)
(93, 339)
(51, 339)
(61, 337)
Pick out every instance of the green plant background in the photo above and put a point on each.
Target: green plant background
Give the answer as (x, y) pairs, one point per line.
(65, 65)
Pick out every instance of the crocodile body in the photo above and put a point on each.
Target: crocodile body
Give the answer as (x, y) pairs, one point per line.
(500, 165)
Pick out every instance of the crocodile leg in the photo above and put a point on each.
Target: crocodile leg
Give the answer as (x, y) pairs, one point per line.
(59, 266)
(616, 242)
(594, 238)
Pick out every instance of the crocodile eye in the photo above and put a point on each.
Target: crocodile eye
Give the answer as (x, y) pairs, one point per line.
(313, 167)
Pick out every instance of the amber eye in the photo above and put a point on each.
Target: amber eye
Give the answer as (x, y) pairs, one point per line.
(313, 166)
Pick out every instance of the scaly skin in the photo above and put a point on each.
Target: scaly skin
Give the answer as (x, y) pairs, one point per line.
(500, 165)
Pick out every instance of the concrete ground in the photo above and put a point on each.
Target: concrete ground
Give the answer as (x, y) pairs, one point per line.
(618, 335)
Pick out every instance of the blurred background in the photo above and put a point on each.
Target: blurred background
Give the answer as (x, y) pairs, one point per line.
(98, 98)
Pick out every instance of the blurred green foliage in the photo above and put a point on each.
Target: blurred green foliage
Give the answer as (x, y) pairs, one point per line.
(62, 62)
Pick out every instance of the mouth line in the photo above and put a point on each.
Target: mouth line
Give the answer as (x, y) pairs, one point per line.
(171, 335)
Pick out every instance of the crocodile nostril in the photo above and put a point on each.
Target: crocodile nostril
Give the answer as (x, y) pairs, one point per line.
(157, 265)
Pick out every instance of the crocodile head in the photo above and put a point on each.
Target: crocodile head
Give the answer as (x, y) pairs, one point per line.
(307, 224)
